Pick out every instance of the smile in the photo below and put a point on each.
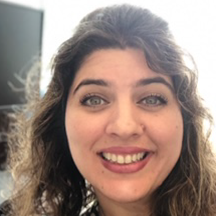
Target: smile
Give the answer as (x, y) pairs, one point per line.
(124, 159)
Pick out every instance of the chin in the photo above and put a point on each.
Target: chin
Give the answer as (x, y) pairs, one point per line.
(126, 196)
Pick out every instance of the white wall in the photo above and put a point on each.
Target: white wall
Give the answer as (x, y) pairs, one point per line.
(192, 22)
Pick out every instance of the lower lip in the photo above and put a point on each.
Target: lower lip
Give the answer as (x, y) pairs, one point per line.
(126, 168)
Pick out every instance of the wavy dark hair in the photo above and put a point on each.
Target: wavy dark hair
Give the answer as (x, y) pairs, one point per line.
(47, 180)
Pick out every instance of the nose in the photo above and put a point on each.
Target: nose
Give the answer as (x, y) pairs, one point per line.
(125, 122)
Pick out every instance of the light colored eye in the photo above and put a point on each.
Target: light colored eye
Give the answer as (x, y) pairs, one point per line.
(153, 100)
(93, 101)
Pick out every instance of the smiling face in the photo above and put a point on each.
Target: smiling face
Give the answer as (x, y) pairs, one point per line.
(123, 124)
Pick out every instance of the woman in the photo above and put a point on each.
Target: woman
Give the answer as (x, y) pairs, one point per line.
(120, 129)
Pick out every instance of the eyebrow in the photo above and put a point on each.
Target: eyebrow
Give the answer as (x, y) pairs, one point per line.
(158, 79)
(98, 82)
(142, 82)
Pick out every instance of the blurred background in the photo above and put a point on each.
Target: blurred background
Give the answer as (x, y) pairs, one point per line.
(32, 30)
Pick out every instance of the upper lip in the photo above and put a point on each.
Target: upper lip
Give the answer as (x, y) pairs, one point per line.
(124, 150)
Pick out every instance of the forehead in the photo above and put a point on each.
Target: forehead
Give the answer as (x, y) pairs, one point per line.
(117, 65)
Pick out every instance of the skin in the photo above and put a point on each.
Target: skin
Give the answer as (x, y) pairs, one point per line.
(127, 115)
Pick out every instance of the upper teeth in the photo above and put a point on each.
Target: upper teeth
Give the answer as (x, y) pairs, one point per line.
(124, 159)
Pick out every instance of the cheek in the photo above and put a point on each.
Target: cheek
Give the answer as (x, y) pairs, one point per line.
(82, 129)
(167, 131)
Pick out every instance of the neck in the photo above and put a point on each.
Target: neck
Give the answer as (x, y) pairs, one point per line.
(112, 208)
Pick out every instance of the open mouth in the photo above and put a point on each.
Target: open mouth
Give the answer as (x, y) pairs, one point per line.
(124, 159)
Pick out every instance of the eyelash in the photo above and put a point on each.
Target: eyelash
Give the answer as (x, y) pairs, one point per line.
(87, 97)
(161, 100)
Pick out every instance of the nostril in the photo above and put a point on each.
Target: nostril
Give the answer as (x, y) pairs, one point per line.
(125, 124)
(143, 127)
(125, 130)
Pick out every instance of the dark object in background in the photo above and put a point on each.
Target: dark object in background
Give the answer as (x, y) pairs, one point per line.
(4, 128)
(20, 42)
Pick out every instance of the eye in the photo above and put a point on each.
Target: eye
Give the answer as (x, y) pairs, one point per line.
(93, 101)
(153, 100)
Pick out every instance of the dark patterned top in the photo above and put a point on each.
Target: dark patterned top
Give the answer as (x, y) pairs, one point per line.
(92, 211)
(4, 208)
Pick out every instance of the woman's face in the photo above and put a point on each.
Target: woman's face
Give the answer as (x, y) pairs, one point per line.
(123, 124)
